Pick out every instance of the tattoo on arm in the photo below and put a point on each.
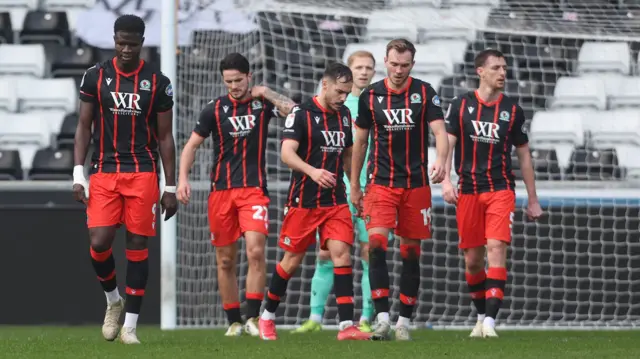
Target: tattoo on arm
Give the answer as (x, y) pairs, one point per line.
(282, 102)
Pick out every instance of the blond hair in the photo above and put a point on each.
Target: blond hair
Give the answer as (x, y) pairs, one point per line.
(360, 53)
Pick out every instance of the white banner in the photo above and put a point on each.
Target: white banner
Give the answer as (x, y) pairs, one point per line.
(95, 25)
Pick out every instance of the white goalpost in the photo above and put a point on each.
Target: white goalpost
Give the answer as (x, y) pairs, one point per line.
(575, 269)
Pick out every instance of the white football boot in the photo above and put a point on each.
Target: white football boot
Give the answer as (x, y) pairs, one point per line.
(110, 327)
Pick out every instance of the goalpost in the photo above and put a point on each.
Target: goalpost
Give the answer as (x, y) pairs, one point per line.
(577, 268)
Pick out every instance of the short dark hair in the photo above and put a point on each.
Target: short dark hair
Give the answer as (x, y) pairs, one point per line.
(401, 45)
(336, 71)
(484, 55)
(129, 23)
(235, 61)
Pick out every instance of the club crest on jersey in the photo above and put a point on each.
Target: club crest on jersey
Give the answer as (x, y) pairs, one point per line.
(288, 123)
(169, 90)
(256, 105)
(504, 116)
(436, 100)
(345, 121)
(145, 85)
(416, 98)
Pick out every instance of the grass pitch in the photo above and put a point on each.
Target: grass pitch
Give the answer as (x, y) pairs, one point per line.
(87, 342)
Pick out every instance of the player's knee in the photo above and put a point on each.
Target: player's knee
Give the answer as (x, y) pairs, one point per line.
(474, 259)
(100, 239)
(496, 253)
(255, 257)
(100, 246)
(341, 256)
(136, 242)
(324, 255)
(226, 264)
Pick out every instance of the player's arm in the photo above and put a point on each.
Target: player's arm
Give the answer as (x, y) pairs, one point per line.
(521, 142)
(283, 103)
(435, 119)
(364, 122)
(453, 132)
(82, 138)
(294, 132)
(167, 145)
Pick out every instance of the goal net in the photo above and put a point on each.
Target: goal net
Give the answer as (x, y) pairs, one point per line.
(575, 268)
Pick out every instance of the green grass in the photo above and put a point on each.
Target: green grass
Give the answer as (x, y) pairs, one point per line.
(87, 342)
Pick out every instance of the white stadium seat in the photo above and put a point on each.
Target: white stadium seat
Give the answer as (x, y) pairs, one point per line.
(578, 92)
(8, 96)
(456, 23)
(390, 24)
(455, 48)
(65, 4)
(427, 61)
(10, 4)
(473, 2)
(626, 94)
(26, 60)
(604, 57)
(619, 129)
(24, 129)
(413, 3)
(561, 131)
(48, 94)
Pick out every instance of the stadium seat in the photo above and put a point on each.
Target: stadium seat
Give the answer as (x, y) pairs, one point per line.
(459, 23)
(455, 48)
(25, 60)
(626, 94)
(561, 131)
(52, 165)
(6, 29)
(48, 94)
(473, 2)
(71, 61)
(385, 25)
(438, 63)
(8, 96)
(45, 27)
(545, 165)
(604, 57)
(413, 3)
(66, 4)
(17, 129)
(620, 130)
(591, 164)
(10, 166)
(577, 92)
(26, 4)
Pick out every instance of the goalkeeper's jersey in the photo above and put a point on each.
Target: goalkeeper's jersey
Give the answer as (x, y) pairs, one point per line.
(352, 104)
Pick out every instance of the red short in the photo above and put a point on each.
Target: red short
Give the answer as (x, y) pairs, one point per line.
(485, 215)
(300, 225)
(124, 198)
(235, 211)
(407, 210)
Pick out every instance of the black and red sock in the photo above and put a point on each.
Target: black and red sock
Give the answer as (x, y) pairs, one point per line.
(495, 284)
(378, 272)
(232, 310)
(409, 278)
(277, 288)
(105, 268)
(137, 275)
(343, 286)
(254, 300)
(477, 289)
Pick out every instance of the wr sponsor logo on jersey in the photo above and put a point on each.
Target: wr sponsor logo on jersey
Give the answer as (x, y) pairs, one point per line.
(486, 132)
(399, 119)
(242, 125)
(126, 104)
(334, 141)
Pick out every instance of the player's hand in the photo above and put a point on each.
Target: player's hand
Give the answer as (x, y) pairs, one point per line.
(169, 204)
(449, 192)
(79, 193)
(534, 211)
(437, 172)
(357, 200)
(323, 178)
(258, 91)
(184, 192)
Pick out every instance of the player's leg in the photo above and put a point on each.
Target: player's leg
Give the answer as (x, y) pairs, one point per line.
(336, 235)
(253, 215)
(380, 210)
(414, 226)
(297, 234)
(225, 231)
(141, 195)
(104, 213)
(367, 304)
(498, 221)
(321, 285)
(471, 228)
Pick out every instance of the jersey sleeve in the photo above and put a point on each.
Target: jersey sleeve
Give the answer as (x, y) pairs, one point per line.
(295, 125)
(89, 85)
(164, 101)
(434, 109)
(270, 109)
(206, 123)
(451, 118)
(364, 118)
(519, 129)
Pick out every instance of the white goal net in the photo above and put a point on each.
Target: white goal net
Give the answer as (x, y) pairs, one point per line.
(575, 268)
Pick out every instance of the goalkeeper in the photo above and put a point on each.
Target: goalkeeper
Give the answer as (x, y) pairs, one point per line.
(362, 65)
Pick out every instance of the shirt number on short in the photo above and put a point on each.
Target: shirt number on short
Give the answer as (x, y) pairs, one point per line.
(426, 216)
(260, 213)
